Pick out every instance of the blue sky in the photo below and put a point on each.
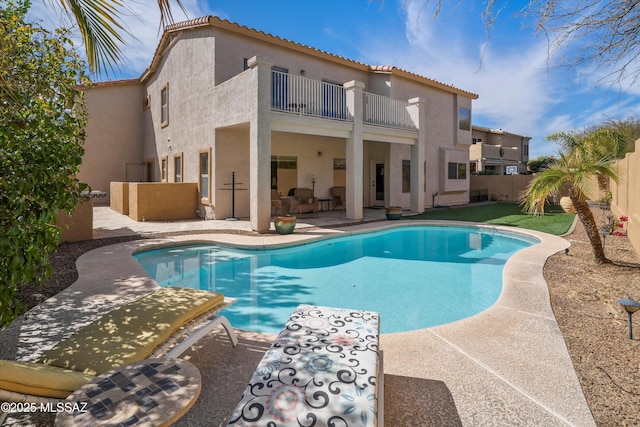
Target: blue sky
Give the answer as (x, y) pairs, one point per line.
(519, 90)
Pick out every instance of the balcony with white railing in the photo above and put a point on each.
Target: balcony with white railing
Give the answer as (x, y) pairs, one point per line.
(308, 97)
(384, 111)
(303, 96)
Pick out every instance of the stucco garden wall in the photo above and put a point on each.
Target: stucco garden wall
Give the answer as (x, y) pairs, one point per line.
(154, 201)
(77, 226)
(501, 187)
(119, 200)
(626, 194)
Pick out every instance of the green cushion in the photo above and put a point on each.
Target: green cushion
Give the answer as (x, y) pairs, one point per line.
(40, 380)
(132, 332)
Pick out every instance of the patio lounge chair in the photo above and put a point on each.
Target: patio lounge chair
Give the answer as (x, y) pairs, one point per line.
(324, 368)
(307, 203)
(339, 197)
(164, 323)
(281, 204)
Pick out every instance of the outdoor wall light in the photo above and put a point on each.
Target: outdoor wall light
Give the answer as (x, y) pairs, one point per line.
(630, 306)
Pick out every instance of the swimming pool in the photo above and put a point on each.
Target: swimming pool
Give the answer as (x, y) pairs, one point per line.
(415, 277)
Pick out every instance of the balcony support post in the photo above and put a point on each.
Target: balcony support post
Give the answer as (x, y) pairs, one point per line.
(260, 146)
(354, 151)
(418, 114)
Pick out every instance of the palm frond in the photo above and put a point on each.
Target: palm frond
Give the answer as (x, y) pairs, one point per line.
(166, 16)
(100, 28)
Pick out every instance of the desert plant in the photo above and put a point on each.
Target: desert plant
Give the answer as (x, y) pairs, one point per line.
(573, 169)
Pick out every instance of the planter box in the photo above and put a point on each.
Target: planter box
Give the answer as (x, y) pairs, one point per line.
(284, 224)
(393, 212)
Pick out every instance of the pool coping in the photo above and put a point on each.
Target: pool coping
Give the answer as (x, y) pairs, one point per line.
(507, 363)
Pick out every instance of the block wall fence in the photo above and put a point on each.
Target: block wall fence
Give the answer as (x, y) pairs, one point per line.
(626, 194)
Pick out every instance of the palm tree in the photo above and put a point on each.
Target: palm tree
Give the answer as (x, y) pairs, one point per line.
(100, 27)
(573, 170)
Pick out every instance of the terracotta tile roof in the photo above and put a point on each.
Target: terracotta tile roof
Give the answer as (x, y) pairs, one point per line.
(217, 22)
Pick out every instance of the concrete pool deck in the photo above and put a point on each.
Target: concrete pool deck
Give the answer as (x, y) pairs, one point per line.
(505, 366)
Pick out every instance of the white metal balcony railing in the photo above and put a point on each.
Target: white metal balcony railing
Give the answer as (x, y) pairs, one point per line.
(384, 111)
(300, 95)
(304, 96)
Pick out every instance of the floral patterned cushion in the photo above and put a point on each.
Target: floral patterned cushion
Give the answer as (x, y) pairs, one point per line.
(321, 370)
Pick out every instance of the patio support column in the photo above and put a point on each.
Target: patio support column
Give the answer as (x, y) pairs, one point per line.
(260, 146)
(418, 114)
(354, 147)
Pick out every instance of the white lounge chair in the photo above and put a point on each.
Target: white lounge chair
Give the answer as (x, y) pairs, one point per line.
(164, 323)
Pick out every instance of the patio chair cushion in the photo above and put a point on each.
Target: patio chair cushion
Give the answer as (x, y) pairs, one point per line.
(131, 332)
(324, 368)
(39, 379)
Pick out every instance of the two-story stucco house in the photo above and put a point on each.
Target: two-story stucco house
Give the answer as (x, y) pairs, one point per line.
(497, 152)
(220, 99)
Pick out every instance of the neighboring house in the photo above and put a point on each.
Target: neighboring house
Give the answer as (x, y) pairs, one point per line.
(221, 99)
(494, 151)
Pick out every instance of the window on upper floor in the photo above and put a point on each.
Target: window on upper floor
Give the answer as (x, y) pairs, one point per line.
(164, 105)
(476, 140)
(334, 100)
(280, 88)
(525, 150)
(464, 118)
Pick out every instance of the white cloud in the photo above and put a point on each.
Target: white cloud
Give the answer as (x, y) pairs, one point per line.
(514, 88)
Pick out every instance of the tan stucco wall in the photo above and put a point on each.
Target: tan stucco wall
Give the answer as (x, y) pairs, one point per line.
(78, 226)
(119, 197)
(442, 136)
(151, 201)
(187, 67)
(213, 107)
(113, 150)
(626, 194)
(501, 187)
(232, 48)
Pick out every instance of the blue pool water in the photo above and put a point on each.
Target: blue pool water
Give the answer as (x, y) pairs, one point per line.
(415, 277)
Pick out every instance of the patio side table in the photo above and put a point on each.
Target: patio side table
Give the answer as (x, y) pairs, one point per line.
(323, 201)
(151, 392)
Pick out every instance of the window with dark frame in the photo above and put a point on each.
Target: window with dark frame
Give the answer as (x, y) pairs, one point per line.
(457, 170)
(163, 169)
(406, 176)
(464, 118)
(204, 175)
(164, 105)
(177, 168)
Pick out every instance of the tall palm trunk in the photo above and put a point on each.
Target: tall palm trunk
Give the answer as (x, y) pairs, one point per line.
(586, 216)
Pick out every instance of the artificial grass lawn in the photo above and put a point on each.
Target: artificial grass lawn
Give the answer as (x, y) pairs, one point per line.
(554, 221)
